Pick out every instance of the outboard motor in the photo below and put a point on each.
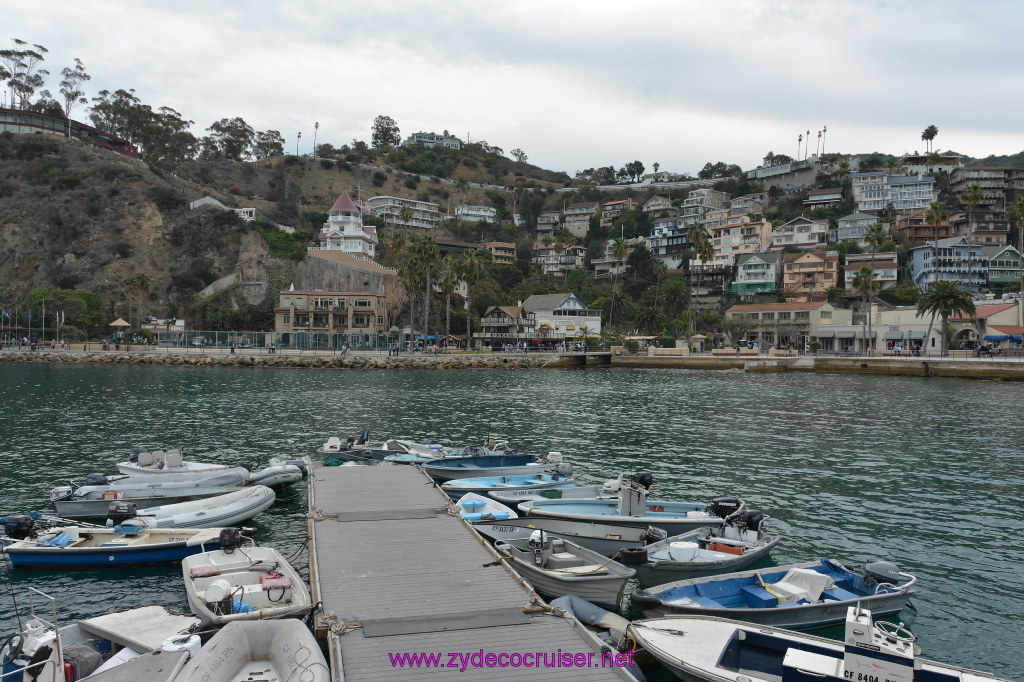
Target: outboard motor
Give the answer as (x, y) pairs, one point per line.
(644, 479)
(654, 534)
(133, 455)
(119, 512)
(724, 506)
(95, 479)
(751, 519)
(882, 572)
(230, 539)
(365, 438)
(349, 442)
(563, 469)
(20, 526)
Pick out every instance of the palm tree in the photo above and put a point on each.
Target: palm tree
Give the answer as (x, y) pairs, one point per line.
(698, 236)
(972, 196)
(620, 251)
(945, 299)
(447, 279)
(864, 281)
(937, 213)
(410, 272)
(471, 268)
(928, 135)
(427, 252)
(675, 300)
(1016, 212)
(660, 270)
(405, 215)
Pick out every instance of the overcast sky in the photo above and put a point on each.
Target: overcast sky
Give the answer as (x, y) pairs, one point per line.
(573, 84)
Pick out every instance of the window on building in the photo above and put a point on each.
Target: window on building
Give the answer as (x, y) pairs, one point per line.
(826, 314)
(286, 318)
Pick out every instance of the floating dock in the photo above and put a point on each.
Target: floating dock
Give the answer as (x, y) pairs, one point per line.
(398, 573)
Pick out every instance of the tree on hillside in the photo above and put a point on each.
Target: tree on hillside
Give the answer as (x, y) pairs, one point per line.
(1016, 212)
(231, 138)
(519, 155)
(384, 132)
(71, 89)
(945, 299)
(929, 135)
(773, 159)
(719, 170)
(20, 66)
(700, 238)
(267, 144)
(635, 170)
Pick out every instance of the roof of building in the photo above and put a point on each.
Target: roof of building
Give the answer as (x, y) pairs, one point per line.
(513, 311)
(985, 311)
(344, 203)
(544, 301)
(338, 256)
(908, 179)
(826, 190)
(771, 257)
(1007, 328)
(757, 307)
(992, 251)
(857, 215)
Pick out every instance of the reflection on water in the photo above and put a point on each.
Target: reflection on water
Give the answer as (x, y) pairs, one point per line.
(925, 473)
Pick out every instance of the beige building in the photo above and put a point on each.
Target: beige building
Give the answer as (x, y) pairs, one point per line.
(577, 217)
(329, 319)
(783, 324)
(613, 209)
(503, 253)
(738, 236)
(807, 276)
(659, 206)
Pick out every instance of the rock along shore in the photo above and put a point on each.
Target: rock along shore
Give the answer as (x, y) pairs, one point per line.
(286, 359)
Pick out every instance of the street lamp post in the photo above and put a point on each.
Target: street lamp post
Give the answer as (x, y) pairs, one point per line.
(298, 136)
(316, 127)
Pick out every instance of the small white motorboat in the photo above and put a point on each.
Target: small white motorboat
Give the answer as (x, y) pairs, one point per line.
(335, 446)
(276, 475)
(557, 567)
(227, 509)
(697, 648)
(473, 507)
(168, 464)
(283, 650)
(250, 583)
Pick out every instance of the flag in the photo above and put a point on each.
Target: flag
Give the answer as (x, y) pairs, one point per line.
(6, 314)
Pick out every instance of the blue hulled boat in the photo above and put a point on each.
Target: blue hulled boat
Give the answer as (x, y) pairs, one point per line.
(539, 481)
(476, 466)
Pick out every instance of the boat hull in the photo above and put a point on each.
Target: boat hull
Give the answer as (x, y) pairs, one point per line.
(225, 510)
(670, 523)
(91, 509)
(103, 557)
(604, 539)
(661, 572)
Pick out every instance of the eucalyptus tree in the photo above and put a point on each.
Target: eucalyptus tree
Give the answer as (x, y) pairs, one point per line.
(864, 281)
(20, 67)
(428, 252)
(71, 89)
(971, 196)
(410, 273)
(945, 299)
(471, 269)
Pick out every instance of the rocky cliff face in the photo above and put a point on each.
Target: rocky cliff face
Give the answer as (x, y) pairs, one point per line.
(77, 216)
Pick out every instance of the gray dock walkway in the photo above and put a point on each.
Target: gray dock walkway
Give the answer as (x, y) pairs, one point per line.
(401, 575)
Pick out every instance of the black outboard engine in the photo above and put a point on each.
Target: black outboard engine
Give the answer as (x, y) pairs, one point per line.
(95, 479)
(643, 479)
(654, 534)
(724, 506)
(882, 572)
(751, 519)
(19, 527)
(230, 539)
(119, 512)
(133, 454)
(365, 438)
(350, 442)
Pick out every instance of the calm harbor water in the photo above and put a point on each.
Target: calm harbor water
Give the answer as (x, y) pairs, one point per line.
(925, 473)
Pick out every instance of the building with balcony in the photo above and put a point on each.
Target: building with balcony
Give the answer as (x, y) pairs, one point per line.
(476, 214)
(329, 319)
(21, 121)
(345, 231)
(853, 227)
(707, 282)
(914, 229)
(716, 217)
(1000, 185)
(607, 265)
(699, 201)
(1004, 267)
(503, 253)
(668, 242)
(948, 262)
(756, 274)
(737, 236)
(753, 204)
(506, 324)
(794, 325)
(800, 173)
(884, 264)
(433, 140)
(658, 206)
(988, 228)
(547, 223)
(876, 191)
(551, 260)
(913, 164)
(823, 197)
(803, 233)
(562, 317)
(577, 217)
(424, 214)
(807, 276)
(613, 209)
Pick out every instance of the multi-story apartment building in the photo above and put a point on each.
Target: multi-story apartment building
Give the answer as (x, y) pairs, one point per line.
(749, 203)
(668, 242)
(503, 253)
(559, 262)
(505, 324)
(876, 190)
(607, 265)
(716, 217)
(476, 214)
(563, 316)
(884, 264)
(424, 214)
(699, 201)
(547, 223)
(328, 319)
(1004, 267)
(915, 230)
(912, 164)
(737, 236)
(344, 230)
(658, 206)
(433, 140)
(823, 197)
(1001, 186)
(613, 209)
(807, 276)
(796, 324)
(707, 282)
(948, 262)
(756, 273)
(989, 228)
(853, 227)
(577, 217)
(803, 233)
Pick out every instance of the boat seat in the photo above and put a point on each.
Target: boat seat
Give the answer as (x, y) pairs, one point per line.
(589, 569)
(204, 571)
(145, 459)
(759, 598)
(173, 459)
(281, 583)
(839, 594)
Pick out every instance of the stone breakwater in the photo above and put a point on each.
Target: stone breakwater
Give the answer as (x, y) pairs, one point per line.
(286, 360)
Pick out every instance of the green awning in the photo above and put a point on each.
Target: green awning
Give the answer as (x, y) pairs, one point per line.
(826, 333)
(916, 336)
(893, 336)
(846, 333)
